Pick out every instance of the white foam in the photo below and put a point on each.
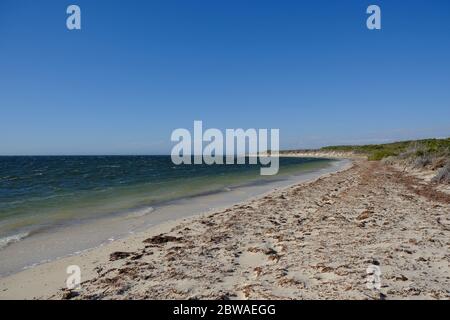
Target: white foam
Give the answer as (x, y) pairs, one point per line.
(6, 241)
(141, 212)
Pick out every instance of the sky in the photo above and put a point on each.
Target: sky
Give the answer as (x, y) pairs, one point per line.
(137, 70)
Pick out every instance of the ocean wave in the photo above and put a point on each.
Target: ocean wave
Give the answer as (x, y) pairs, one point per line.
(109, 166)
(141, 212)
(6, 241)
(9, 178)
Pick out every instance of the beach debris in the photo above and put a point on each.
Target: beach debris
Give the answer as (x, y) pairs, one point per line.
(207, 223)
(286, 282)
(160, 239)
(326, 269)
(401, 278)
(361, 224)
(226, 296)
(364, 215)
(274, 257)
(118, 255)
(270, 251)
(137, 256)
(69, 294)
(247, 290)
(258, 271)
(375, 262)
(422, 259)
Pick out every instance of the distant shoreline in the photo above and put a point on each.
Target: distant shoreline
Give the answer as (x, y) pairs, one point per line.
(323, 154)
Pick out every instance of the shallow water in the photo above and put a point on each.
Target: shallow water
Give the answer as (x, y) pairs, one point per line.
(40, 192)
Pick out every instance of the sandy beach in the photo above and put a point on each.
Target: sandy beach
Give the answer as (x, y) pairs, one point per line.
(312, 240)
(170, 151)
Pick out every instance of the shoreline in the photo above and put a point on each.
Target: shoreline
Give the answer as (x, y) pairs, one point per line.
(313, 240)
(323, 154)
(169, 215)
(78, 236)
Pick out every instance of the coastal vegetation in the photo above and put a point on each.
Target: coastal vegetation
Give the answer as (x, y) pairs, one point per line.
(433, 154)
(411, 149)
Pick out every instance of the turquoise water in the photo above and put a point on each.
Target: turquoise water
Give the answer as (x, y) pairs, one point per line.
(44, 192)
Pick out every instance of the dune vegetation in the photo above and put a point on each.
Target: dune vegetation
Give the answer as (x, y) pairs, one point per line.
(433, 154)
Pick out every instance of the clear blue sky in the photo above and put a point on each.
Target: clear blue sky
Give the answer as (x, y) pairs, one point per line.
(139, 69)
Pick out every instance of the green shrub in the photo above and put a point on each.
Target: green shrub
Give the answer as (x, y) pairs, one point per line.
(425, 148)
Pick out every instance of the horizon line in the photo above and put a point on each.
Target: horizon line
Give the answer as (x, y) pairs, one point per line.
(161, 155)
